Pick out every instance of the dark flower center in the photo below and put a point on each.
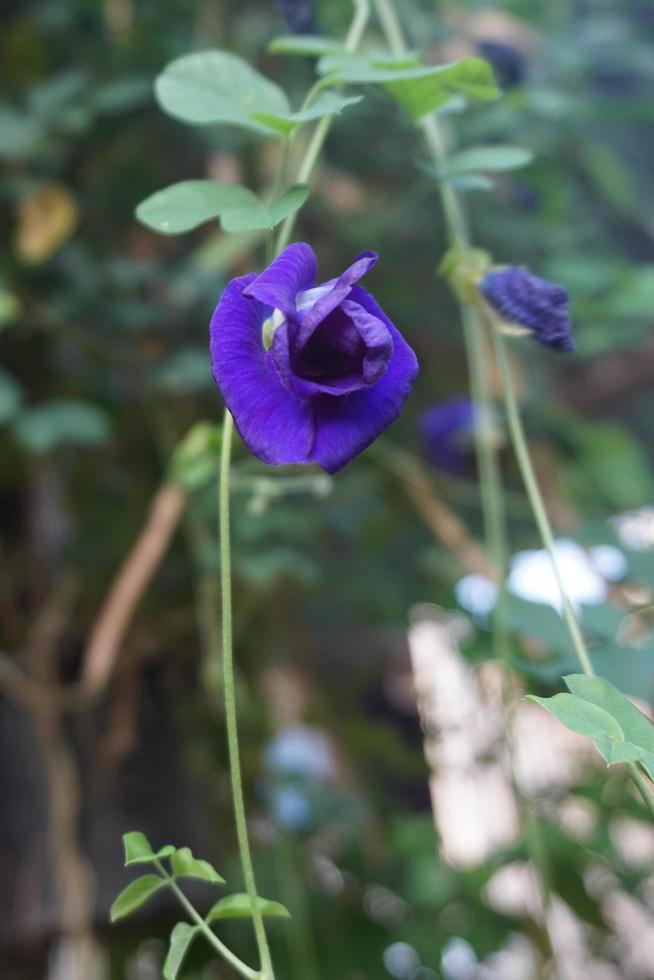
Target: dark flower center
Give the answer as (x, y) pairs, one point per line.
(335, 350)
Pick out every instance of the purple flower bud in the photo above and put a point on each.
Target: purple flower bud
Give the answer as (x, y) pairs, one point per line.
(299, 15)
(447, 433)
(534, 303)
(336, 372)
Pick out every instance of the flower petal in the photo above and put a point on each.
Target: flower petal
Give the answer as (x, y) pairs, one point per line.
(355, 345)
(328, 301)
(346, 426)
(292, 272)
(274, 425)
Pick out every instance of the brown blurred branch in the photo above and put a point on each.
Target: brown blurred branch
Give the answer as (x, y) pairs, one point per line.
(441, 520)
(115, 615)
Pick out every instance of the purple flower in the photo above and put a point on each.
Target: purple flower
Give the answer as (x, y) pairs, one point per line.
(447, 432)
(537, 304)
(335, 375)
(299, 15)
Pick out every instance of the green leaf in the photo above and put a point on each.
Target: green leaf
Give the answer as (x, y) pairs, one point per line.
(184, 865)
(637, 728)
(257, 215)
(56, 423)
(596, 709)
(180, 940)
(186, 370)
(311, 45)
(238, 907)
(138, 849)
(469, 182)
(326, 104)
(493, 158)
(540, 620)
(9, 307)
(217, 87)
(195, 459)
(11, 395)
(135, 895)
(21, 134)
(419, 88)
(182, 207)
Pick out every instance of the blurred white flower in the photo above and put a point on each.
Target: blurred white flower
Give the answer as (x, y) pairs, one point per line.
(636, 528)
(301, 751)
(532, 577)
(609, 562)
(477, 594)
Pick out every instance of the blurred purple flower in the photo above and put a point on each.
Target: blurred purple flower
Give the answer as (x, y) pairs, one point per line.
(537, 304)
(447, 431)
(509, 63)
(299, 15)
(336, 373)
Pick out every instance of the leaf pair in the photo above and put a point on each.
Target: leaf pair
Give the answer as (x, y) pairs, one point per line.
(182, 207)
(598, 710)
(231, 907)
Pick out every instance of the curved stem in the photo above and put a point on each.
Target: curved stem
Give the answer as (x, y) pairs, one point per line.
(245, 854)
(319, 135)
(519, 441)
(357, 27)
(238, 964)
(490, 482)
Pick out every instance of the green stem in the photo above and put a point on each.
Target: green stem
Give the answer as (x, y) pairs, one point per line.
(643, 787)
(357, 27)
(490, 478)
(490, 483)
(319, 135)
(245, 854)
(208, 933)
(523, 457)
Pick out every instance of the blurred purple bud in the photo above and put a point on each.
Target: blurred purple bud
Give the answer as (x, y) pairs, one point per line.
(299, 15)
(509, 63)
(447, 431)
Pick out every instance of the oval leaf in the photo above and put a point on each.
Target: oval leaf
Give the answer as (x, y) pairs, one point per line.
(238, 907)
(184, 865)
(11, 396)
(257, 215)
(64, 422)
(180, 940)
(136, 893)
(638, 730)
(419, 88)
(138, 849)
(326, 104)
(493, 158)
(217, 87)
(183, 206)
(310, 45)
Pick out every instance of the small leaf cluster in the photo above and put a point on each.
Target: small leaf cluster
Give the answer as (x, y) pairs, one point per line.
(182, 864)
(595, 708)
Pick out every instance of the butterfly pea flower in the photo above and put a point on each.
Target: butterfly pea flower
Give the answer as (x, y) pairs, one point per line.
(299, 15)
(310, 373)
(524, 300)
